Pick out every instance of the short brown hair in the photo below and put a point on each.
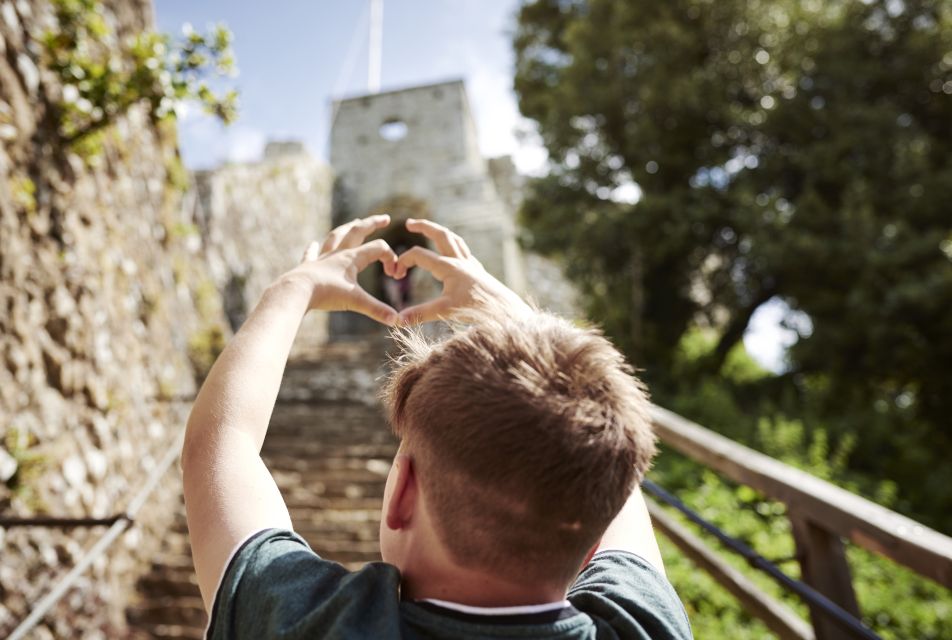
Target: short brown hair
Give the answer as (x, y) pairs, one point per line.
(527, 436)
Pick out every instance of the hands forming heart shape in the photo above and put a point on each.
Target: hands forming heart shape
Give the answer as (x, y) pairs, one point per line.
(331, 268)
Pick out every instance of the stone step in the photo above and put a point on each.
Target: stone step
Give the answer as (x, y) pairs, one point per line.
(335, 535)
(315, 449)
(324, 483)
(325, 431)
(183, 610)
(331, 413)
(286, 458)
(335, 468)
(304, 416)
(331, 488)
(166, 581)
(339, 517)
(178, 560)
(335, 503)
(318, 444)
(169, 632)
(341, 493)
(369, 547)
(342, 351)
(180, 571)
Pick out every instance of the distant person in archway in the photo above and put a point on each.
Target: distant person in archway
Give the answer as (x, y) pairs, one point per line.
(398, 291)
(512, 508)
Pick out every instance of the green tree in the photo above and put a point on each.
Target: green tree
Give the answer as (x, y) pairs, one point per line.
(794, 149)
(653, 93)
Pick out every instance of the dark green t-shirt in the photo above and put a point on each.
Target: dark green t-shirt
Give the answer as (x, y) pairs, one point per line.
(276, 587)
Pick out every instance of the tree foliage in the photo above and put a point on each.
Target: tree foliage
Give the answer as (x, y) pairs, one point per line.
(791, 149)
(104, 74)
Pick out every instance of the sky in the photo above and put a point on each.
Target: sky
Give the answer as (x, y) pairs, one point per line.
(295, 56)
(293, 61)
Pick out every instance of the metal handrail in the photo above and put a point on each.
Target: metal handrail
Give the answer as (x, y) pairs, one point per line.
(123, 522)
(59, 523)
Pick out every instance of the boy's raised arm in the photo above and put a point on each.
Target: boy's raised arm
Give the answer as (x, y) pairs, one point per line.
(631, 531)
(229, 493)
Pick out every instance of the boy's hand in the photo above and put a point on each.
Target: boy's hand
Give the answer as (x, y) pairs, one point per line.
(466, 283)
(329, 270)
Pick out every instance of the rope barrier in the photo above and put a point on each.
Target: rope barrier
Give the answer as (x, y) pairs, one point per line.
(757, 561)
(60, 523)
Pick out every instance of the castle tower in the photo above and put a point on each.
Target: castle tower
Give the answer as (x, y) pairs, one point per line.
(414, 152)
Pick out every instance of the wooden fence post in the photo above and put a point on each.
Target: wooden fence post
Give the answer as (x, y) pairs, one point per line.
(824, 567)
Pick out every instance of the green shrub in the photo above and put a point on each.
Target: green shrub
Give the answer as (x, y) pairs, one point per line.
(894, 601)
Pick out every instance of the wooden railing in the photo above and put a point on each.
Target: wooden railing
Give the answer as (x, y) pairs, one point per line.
(821, 515)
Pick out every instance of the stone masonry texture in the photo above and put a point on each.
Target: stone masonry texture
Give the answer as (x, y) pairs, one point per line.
(112, 284)
(100, 297)
(256, 220)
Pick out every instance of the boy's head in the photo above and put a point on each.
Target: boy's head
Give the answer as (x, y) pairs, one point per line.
(526, 438)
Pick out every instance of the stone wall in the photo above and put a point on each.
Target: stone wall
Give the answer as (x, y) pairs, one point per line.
(255, 221)
(103, 297)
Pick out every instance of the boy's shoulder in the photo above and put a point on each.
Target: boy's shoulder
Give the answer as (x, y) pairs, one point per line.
(276, 586)
(637, 598)
(274, 583)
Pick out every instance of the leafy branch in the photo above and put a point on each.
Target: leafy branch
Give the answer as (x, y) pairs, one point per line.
(103, 76)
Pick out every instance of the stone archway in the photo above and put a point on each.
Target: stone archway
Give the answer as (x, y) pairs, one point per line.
(418, 285)
(414, 288)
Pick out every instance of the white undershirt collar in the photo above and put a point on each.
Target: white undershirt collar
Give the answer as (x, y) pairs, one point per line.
(498, 611)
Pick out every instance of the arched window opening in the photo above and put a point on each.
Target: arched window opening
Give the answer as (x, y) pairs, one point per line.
(393, 130)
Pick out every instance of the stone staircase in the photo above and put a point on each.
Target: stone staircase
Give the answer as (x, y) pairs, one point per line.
(170, 605)
(329, 449)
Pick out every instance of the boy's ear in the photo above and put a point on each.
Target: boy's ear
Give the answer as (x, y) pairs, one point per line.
(403, 501)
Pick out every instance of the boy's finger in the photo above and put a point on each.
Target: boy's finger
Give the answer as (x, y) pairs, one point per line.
(312, 252)
(441, 237)
(462, 249)
(371, 252)
(343, 237)
(423, 257)
(363, 302)
(426, 311)
(333, 240)
(360, 229)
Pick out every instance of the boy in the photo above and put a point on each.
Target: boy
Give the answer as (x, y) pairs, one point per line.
(523, 439)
